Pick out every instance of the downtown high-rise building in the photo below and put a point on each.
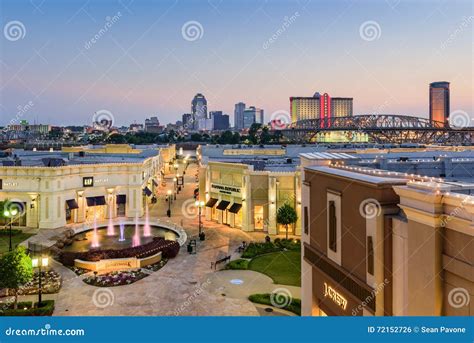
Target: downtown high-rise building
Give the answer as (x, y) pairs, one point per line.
(252, 115)
(320, 107)
(220, 121)
(199, 111)
(239, 109)
(439, 102)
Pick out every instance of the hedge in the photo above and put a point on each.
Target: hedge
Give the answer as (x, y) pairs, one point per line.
(256, 249)
(45, 308)
(237, 264)
(265, 299)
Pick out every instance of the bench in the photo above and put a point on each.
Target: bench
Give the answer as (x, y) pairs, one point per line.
(222, 260)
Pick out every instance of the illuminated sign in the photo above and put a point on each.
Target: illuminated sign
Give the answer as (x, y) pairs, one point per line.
(335, 296)
(231, 190)
(88, 181)
(9, 184)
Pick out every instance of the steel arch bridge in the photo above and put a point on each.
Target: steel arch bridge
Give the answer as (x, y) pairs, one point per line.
(381, 128)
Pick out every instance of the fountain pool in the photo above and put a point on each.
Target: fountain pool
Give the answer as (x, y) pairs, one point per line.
(124, 236)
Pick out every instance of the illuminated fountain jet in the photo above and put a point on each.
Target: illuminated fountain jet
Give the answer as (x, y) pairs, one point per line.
(122, 232)
(147, 228)
(95, 236)
(110, 227)
(136, 236)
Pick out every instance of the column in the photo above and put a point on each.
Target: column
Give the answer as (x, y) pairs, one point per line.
(272, 197)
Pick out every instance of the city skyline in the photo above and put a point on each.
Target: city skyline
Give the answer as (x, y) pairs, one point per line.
(111, 56)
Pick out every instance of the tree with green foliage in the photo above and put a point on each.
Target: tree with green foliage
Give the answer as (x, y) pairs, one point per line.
(286, 215)
(16, 269)
(196, 137)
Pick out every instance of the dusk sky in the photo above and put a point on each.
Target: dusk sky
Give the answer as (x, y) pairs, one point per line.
(143, 65)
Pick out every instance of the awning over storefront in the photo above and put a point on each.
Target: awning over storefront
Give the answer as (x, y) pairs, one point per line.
(121, 198)
(95, 201)
(147, 191)
(223, 205)
(235, 208)
(211, 202)
(72, 204)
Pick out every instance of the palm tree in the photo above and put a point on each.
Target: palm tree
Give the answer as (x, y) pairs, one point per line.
(286, 215)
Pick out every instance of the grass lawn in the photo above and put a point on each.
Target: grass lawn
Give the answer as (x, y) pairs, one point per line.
(17, 238)
(283, 267)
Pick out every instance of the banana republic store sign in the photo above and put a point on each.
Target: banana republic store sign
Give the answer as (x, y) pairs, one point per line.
(224, 189)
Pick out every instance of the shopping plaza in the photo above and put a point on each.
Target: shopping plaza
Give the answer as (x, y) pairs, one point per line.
(76, 185)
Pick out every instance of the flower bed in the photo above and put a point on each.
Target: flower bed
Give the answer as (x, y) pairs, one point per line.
(50, 283)
(115, 278)
(121, 278)
(169, 249)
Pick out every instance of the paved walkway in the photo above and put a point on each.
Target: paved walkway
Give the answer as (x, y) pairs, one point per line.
(186, 285)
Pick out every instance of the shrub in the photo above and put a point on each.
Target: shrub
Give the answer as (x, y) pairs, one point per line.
(288, 244)
(45, 308)
(237, 264)
(6, 232)
(255, 249)
(265, 299)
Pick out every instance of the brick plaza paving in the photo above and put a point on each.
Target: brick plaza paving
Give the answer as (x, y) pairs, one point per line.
(186, 285)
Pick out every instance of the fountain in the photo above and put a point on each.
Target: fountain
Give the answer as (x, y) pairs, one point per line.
(147, 228)
(95, 236)
(122, 232)
(110, 228)
(136, 236)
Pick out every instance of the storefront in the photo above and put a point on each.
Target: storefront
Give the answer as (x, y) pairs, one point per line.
(240, 197)
(80, 193)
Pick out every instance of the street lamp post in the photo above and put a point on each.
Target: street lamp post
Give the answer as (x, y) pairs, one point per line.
(168, 213)
(200, 205)
(38, 263)
(175, 186)
(10, 214)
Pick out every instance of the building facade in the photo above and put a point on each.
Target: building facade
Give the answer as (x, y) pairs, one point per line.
(239, 116)
(84, 188)
(199, 110)
(241, 197)
(221, 121)
(439, 102)
(320, 107)
(386, 242)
